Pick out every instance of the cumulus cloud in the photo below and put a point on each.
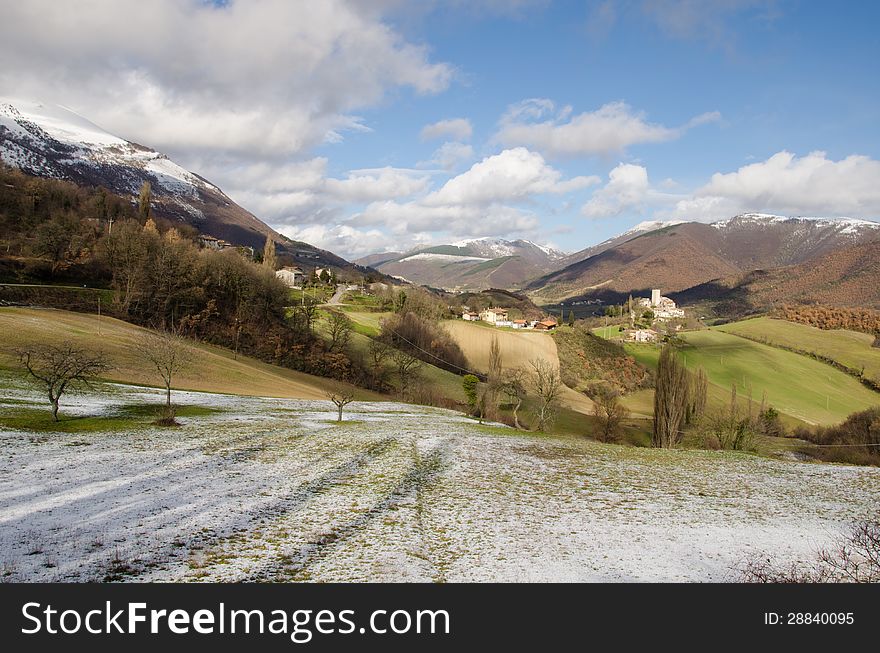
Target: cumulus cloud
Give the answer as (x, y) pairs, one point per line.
(790, 185)
(302, 192)
(267, 78)
(343, 238)
(458, 129)
(536, 123)
(486, 200)
(512, 175)
(627, 190)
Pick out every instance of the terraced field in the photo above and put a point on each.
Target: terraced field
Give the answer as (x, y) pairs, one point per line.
(259, 489)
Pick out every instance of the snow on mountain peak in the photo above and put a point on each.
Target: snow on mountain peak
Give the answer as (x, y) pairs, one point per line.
(40, 132)
(844, 225)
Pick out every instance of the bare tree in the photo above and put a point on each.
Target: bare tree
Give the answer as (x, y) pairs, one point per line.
(169, 354)
(407, 367)
(548, 386)
(855, 558)
(61, 369)
(610, 413)
(340, 397)
(671, 399)
(339, 328)
(377, 353)
(514, 388)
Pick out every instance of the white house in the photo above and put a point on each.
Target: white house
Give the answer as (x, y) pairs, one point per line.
(494, 315)
(470, 316)
(642, 335)
(291, 277)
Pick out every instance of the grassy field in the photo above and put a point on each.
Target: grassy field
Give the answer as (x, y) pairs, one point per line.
(215, 369)
(848, 348)
(796, 385)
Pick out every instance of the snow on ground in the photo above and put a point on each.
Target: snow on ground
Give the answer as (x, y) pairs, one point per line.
(274, 490)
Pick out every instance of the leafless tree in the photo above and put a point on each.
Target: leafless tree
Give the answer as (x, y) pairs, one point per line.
(548, 386)
(407, 367)
(377, 353)
(340, 397)
(514, 388)
(610, 413)
(169, 353)
(855, 558)
(671, 399)
(61, 369)
(339, 329)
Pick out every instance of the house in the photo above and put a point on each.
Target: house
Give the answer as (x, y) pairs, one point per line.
(292, 277)
(547, 324)
(470, 316)
(209, 242)
(520, 324)
(642, 335)
(493, 315)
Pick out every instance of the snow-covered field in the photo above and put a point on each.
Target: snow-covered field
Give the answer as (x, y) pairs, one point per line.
(273, 490)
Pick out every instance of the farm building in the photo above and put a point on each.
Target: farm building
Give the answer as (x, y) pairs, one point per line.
(642, 335)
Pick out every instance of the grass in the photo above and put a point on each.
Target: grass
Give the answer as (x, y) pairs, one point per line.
(847, 348)
(216, 370)
(40, 421)
(802, 388)
(27, 416)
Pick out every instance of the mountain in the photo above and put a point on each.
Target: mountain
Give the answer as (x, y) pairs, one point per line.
(682, 255)
(847, 277)
(52, 141)
(469, 264)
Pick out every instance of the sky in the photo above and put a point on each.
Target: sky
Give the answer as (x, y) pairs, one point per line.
(382, 125)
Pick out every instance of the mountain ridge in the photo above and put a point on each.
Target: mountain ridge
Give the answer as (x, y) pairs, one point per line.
(53, 141)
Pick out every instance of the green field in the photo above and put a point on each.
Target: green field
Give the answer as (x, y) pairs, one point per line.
(848, 348)
(798, 386)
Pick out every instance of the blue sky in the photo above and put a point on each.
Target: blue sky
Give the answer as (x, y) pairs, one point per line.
(560, 122)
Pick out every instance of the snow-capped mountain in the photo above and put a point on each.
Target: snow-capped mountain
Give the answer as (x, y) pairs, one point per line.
(490, 248)
(472, 264)
(53, 141)
(677, 256)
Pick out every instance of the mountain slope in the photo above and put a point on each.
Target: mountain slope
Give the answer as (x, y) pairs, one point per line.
(847, 277)
(53, 141)
(470, 264)
(682, 255)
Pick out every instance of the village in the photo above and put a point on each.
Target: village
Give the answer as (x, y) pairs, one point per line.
(644, 314)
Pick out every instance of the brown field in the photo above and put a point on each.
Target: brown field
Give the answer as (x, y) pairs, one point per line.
(517, 349)
(214, 369)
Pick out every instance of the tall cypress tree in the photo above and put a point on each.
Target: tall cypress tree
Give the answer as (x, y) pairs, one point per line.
(269, 254)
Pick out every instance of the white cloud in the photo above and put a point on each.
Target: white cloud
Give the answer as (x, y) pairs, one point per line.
(258, 79)
(458, 129)
(301, 192)
(790, 185)
(627, 190)
(342, 238)
(609, 130)
(481, 201)
(449, 155)
(512, 175)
